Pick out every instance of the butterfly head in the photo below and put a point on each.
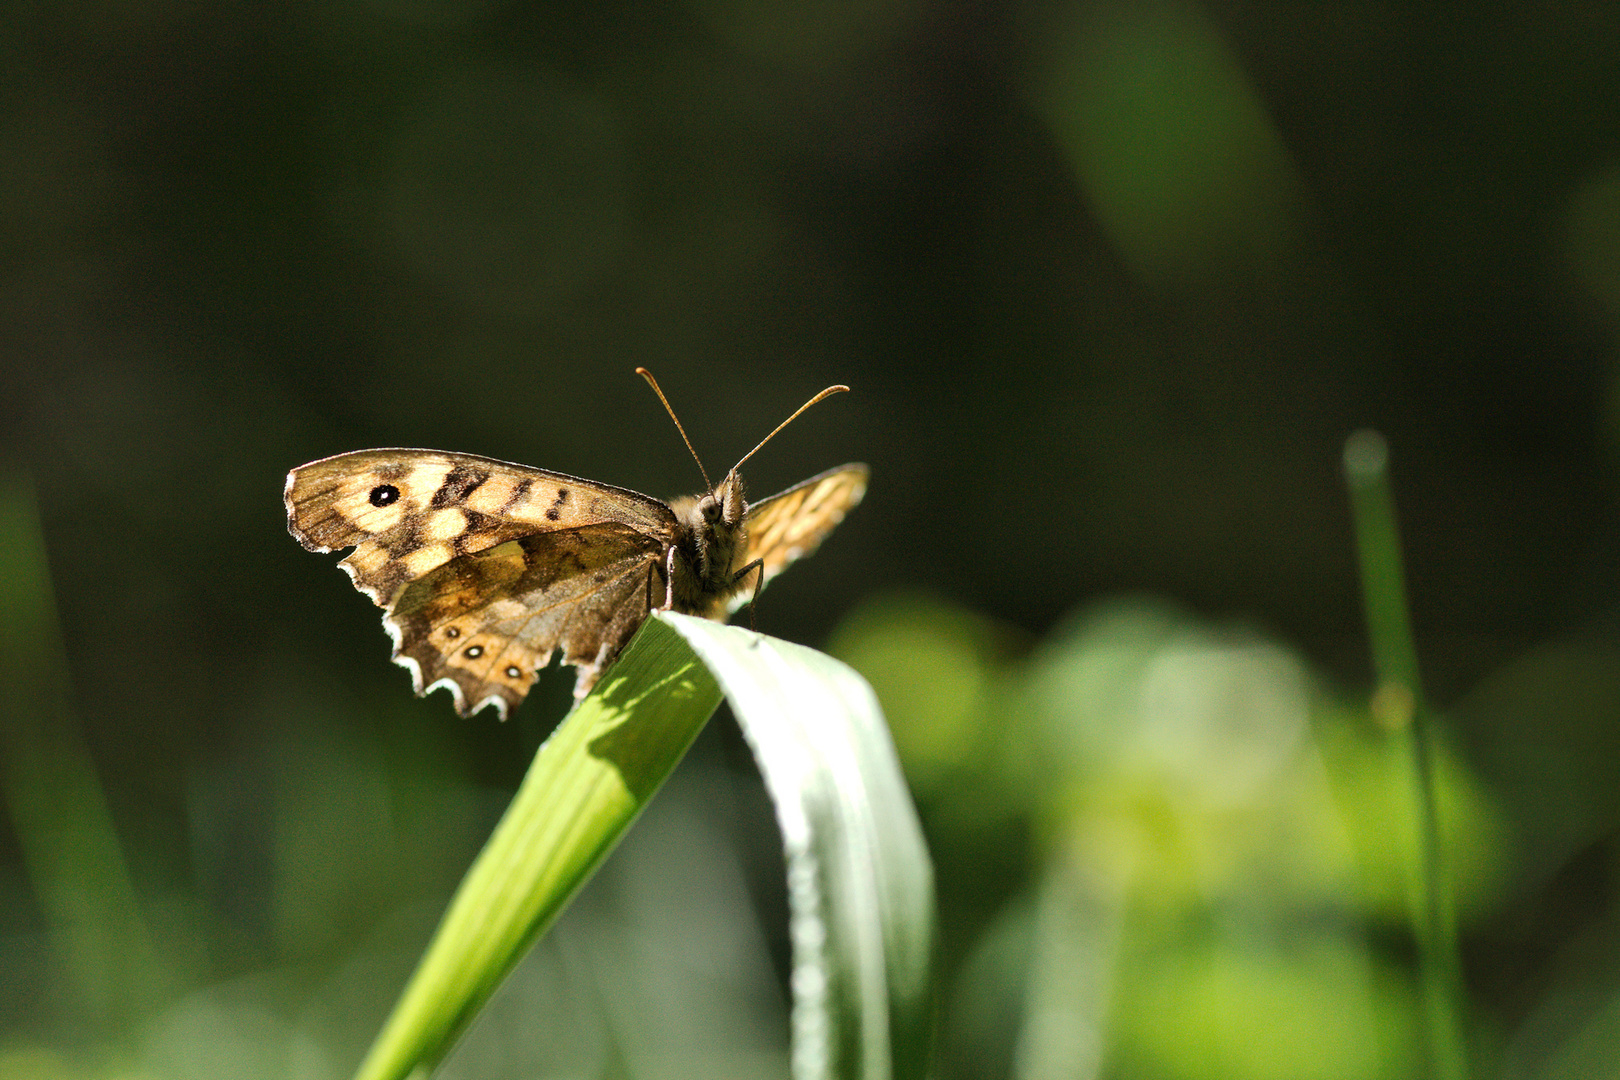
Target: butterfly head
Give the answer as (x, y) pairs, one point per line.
(726, 506)
(710, 534)
(712, 524)
(718, 518)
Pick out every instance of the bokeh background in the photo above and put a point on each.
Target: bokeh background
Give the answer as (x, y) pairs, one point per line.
(1112, 282)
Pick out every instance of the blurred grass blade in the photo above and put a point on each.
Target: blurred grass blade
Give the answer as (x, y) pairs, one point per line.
(1400, 705)
(1383, 578)
(860, 883)
(586, 785)
(1078, 930)
(74, 861)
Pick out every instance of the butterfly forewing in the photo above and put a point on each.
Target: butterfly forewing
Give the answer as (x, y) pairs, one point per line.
(792, 524)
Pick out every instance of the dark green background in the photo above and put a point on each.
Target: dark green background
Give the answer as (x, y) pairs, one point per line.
(237, 237)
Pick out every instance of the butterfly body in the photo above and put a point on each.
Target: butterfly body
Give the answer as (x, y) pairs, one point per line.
(484, 568)
(710, 536)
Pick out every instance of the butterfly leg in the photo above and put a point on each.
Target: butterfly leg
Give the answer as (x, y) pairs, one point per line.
(759, 583)
(669, 578)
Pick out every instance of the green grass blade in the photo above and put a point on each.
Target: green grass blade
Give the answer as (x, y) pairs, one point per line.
(102, 950)
(585, 787)
(860, 883)
(1383, 578)
(1399, 703)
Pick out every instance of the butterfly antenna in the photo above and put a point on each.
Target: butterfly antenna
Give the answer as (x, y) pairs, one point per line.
(827, 393)
(652, 382)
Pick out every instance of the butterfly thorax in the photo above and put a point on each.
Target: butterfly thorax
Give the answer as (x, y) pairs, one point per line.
(709, 535)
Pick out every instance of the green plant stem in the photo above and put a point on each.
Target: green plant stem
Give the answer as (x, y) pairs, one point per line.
(1399, 701)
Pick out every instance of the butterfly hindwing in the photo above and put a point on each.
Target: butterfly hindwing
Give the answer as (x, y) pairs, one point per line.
(483, 624)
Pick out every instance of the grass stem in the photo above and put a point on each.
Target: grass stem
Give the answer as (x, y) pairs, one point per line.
(1399, 704)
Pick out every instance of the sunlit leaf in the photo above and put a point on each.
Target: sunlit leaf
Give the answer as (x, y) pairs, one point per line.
(860, 884)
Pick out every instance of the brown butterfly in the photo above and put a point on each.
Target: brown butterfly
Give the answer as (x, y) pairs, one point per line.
(484, 568)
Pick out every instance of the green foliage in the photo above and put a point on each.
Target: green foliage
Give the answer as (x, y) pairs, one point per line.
(1217, 838)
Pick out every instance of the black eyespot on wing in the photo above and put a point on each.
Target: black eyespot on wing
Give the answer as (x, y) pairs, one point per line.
(384, 495)
(512, 672)
(452, 632)
(473, 652)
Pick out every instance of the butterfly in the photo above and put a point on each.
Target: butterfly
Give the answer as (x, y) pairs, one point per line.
(485, 568)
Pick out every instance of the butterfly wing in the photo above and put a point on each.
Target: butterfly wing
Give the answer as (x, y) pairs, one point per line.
(483, 625)
(792, 524)
(485, 567)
